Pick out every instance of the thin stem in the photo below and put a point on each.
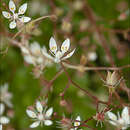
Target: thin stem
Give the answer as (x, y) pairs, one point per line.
(77, 86)
(78, 67)
(32, 22)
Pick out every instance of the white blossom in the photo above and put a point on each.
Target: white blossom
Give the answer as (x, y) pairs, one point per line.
(5, 96)
(76, 123)
(16, 16)
(92, 56)
(33, 54)
(121, 122)
(58, 54)
(40, 115)
(3, 119)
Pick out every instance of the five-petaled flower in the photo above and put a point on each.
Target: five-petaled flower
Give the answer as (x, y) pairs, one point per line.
(121, 122)
(59, 54)
(16, 16)
(40, 115)
(3, 119)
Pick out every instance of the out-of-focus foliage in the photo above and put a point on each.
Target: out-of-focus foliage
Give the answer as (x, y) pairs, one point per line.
(71, 22)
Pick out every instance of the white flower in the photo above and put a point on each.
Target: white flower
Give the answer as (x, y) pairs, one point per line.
(92, 56)
(122, 122)
(33, 54)
(3, 119)
(5, 96)
(76, 123)
(58, 54)
(40, 115)
(16, 16)
(29, 59)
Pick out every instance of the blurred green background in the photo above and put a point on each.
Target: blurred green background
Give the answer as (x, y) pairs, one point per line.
(72, 23)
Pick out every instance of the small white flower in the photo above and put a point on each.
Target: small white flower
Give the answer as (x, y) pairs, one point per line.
(33, 54)
(122, 122)
(77, 123)
(58, 54)
(29, 59)
(40, 115)
(3, 119)
(16, 16)
(92, 56)
(5, 96)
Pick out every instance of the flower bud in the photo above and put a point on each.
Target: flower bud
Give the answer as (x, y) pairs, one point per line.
(63, 103)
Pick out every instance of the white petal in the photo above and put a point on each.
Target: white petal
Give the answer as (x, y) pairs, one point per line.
(65, 46)
(39, 60)
(112, 116)
(35, 124)
(46, 54)
(6, 14)
(24, 50)
(35, 48)
(49, 112)
(76, 123)
(69, 55)
(12, 6)
(0, 126)
(31, 113)
(25, 19)
(29, 59)
(48, 122)
(78, 118)
(113, 123)
(53, 45)
(39, 107)
(4, 120)
(12, 25)
(22, 9)
(2, 108)
(125, 115)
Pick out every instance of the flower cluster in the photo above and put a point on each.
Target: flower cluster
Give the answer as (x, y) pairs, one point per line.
(40, 58)
(121, 122)
(14, 17)
(5, 95)
(3, 119)
(5, 99)
(33, 54)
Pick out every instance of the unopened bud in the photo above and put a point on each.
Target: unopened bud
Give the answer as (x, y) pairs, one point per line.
(63, 103)
(66, 26)
(78, 5)
(83, 60)
(61, 94)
